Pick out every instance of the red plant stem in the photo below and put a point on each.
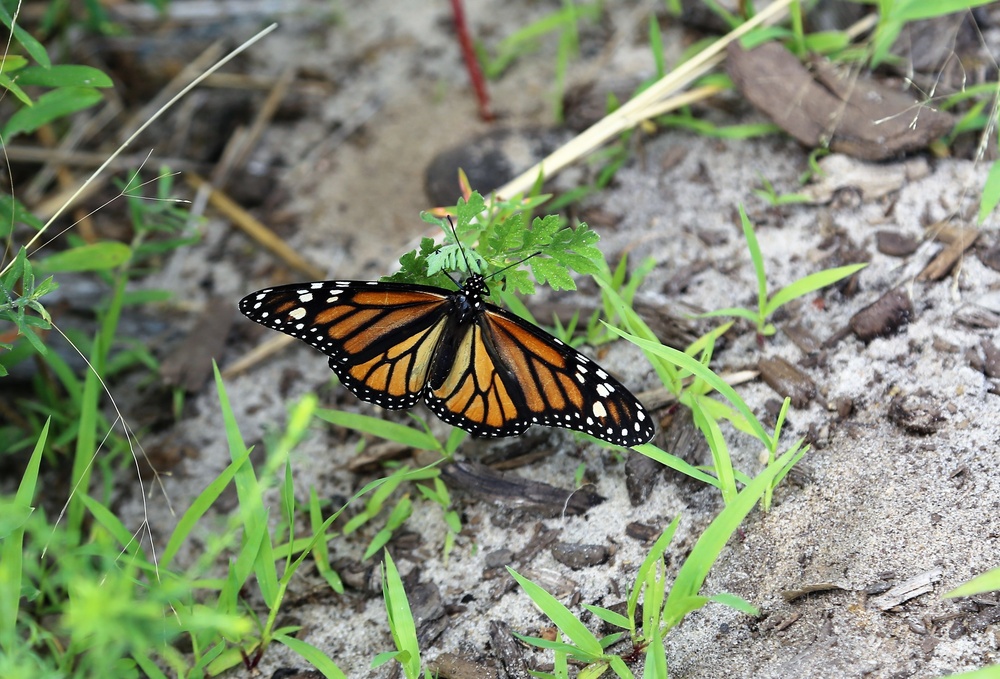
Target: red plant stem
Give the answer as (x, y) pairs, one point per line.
(471, 63)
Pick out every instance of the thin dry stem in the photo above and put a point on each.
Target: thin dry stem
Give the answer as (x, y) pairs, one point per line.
(649, 103)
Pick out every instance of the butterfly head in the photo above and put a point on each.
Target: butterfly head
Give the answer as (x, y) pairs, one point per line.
(475, 287)
(468, 300)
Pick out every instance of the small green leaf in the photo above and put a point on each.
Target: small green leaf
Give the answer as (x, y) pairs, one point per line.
(313, 655)
(11, 86)
(12, 62)
(96, 257)
(810, 283)
(51, 106)
(401, 624)
(68, 75)
(733, 601)
(31, 46)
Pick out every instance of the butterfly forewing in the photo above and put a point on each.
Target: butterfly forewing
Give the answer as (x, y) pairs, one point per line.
(381, 338)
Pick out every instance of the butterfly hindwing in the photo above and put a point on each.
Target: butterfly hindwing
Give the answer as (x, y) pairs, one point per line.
(381, 337)
(477, 394)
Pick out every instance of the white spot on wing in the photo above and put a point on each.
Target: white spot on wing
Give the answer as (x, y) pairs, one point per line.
(298, 314)
(599, 410)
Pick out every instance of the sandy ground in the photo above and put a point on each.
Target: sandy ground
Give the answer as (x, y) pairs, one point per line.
(878, 504)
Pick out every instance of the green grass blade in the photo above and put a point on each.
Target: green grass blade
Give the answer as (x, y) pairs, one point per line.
(30, 45)
(916, 10)
(655, 555)
(563, 618)
(94, 257)
(50, 106)
(810, 283)
(240, 569)
(991, 193)
(321, 555)
(404, 630)
(737, 602)
(680, 359)
(313, 655)
(608, 616)
(111, 523)
(677, 464)
(205, 500)
(732, 311)
(86, 440)
(390, 431)
(656, 658)
(251, 498)
(683, 595)
(991, 672)
(11, 550)
(758, 263)
(986, 582)
(664, 370)
(717, 444)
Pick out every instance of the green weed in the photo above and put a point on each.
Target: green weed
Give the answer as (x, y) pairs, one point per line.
(768, 304)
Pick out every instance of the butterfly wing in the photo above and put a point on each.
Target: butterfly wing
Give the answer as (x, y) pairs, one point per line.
(507, 374)
(477, 393)
(557, 386)
(381, 337)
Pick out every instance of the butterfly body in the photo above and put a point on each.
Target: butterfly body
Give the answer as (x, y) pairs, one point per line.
(476, 365)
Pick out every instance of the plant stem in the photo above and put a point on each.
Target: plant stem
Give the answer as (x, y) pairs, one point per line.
(471, 63)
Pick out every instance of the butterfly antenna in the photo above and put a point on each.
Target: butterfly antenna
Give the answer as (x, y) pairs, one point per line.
(517, 263)
(459, 244)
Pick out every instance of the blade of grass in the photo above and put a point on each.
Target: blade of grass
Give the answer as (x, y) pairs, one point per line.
(810, 283)
(682, 360)
(683, 596)
(11, 550)
(561, 616)
(204, 502)
(313, 655)
(390, 431)
(401, 624)
(251, 498)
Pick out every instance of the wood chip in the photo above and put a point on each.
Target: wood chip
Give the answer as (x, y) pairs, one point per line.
(915, 415)
(803, 338)
(508, 650)
(884, 317)
(827, 107)
(895, 243)
(909, 589)
(790, 595)
(641, 475)
(787, 380)
(577, 556)
(512, 491)
(991, 366)
(871, 180)
(455, 666)
(959, 240)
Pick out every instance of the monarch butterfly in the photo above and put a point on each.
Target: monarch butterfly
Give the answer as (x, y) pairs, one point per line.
(476, 365)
